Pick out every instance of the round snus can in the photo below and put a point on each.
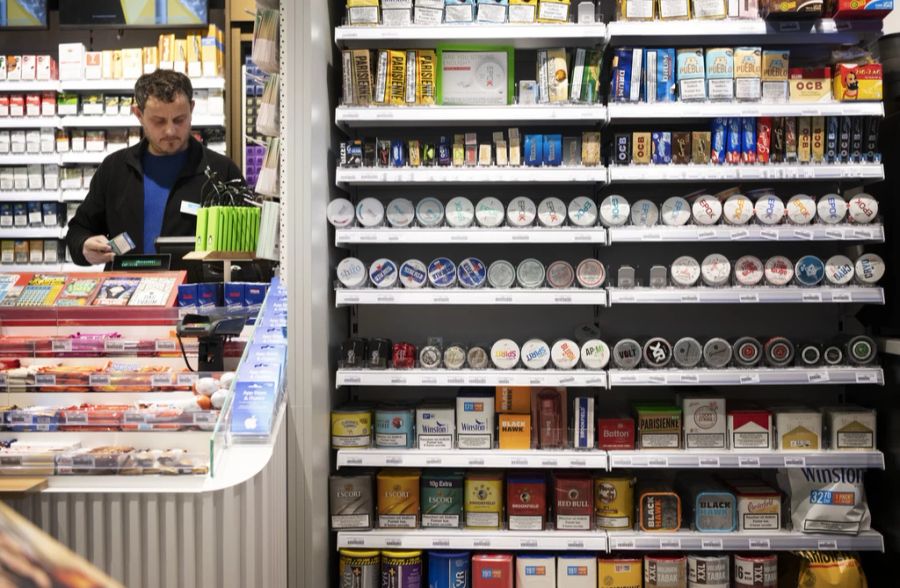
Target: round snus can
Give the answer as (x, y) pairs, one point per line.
(560, 274)
(489, 212)
(687, 352)
(738, 210)
(521, 212)
(676, 212)
(779, 271)
(801, 209)
(769, 209)
(413, 274)
(662, 571)
(657, 352)
(869, 269)
(505, 354)
(401, 569)
(594, 354)
(747, 352)
(565, 354)
(685, 271)
(779, 352)
(383, 273)
(551, 212)
(709, 570)
(614, 211)
(748, 271)
(477, 358)
(809, 354)
(449, 569)
(717, 353)
(863, 209)
(352, 272)
(861, 350)
(715, 270)
(442, 273)
(501, 274)
(340, 213)
(583, 212)
(430, 357)
(626, 354)
(400, 213)
(454, 357)
(839, 270)
(460, 212)
(535, 354)
(430, 212)
(809, 271)
(644, 213)
(590, 273)
(833, 355)
(471, 273)
(359, 569)
(706, 210)
(755, 571)
(370, 212)
(832, 209)
(530, 273)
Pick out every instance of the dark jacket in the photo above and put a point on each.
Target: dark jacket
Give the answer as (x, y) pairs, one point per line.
(115, 201)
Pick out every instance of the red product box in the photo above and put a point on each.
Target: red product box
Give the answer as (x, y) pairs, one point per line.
(17, 105)
(574, 502)
(526, 502)
(492, 570)
(862, 9)
(4, 104)
(615, 434)
(33, 105)
(750, 429)
(48, 104)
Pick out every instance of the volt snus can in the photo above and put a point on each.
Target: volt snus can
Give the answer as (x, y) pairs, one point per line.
(359, 569)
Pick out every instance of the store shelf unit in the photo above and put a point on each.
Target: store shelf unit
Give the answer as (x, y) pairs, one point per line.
(621, 111)
(746, 541)
(746, 295)
(521, 36)
(129, 121)
(357, 236)
(704, 32)
(692, 233)
(724, 459)
(461, 296)
(791, 376)
(470, 378)
(470, 458)
(470, 175)
(701, 173)
(383, 116)
(473, 539)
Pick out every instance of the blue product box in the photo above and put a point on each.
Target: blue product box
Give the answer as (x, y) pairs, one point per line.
(187, 296)
(659, 65)
(662, 147)
(253, 408)
(254, 295)
(209, 295)
(534, 150)
(6, 214)
(553, 150)
(234, 295)
(626, 75)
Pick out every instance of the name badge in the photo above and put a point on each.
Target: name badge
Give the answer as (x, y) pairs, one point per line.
(190, 208)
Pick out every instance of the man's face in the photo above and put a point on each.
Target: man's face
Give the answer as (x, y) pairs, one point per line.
(167, 125)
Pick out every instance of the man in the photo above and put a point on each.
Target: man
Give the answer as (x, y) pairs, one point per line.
(146, 190)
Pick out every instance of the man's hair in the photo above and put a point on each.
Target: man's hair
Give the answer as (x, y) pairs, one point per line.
(164, 85)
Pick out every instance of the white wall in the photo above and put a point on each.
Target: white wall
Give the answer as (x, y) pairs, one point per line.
(892, 22)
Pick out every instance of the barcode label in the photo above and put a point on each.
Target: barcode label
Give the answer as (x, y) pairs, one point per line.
(165, 345)
(161, 380)
(64, 346)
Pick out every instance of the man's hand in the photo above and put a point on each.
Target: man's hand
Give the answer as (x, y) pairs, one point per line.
(97, 250)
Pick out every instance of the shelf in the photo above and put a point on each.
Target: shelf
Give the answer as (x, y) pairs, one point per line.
(745, 377)
(470, 378)
(49, 267)
(746, 295)
(28, 158)
(696, 173)
(742, 541)
(473, 539)
(874, 232)
(129, 121)
(103, 316)
(369, 116)
(677, 110)
(84, 157)
(470, 458)
(462, 296)
(710, 459)
(354, 236)
(128, 85)
(74, 195)
(32, 233)
(470, 175)
(29, 122)
(30, 196)
(704, 32)
(520, 36)
(32, 86)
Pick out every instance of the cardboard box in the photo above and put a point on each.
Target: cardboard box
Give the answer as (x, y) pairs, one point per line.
(809, 85)
(720, 73)
(13, 68)
(747, 73)
(71, 61)
(93, 65)
(46, 69)
(442, 498)
(522, 11)
(475, 422)
(858, 82)
(435, 427)
(397, 492)
(29, 68)
(514, 431)
(851, 428)
(576, 571)
(867, 9)
(549, 413)
(775, 75)
(526, 502)
(484, 500)
(513, 399)
(705, 425)
(573, 502)
(750, 429)
(553, 11)
(799, 429)
(615, 433)
(758, 507)
(659, 427)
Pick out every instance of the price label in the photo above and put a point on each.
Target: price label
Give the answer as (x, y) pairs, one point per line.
(709, 462)
(434, 461)
(629, 378)
(651, 237)
(563, 299)
(623, 543)
(205, 418)
(393, 542)
(77, 418)
(476, 461)
(658, 462)
(45, 380)
(440, 543)
(749, 298)
(567, 380)
(528, 544)
(459, 238)
(575, 545)
(818, 377)
(867, 378)
(62, 346)
(759, 544)
(477, 381)
(670, 543)
(577, 463)
(842, 297)
(711, 544)
(746, 379)
(394, 460)
(113, 345)
(481, 543)
(398, 381)
(353, 542)
(794, 462)
(748, 462)
(354, 461)
(737, 235)
(801, 234)
(811, 297)
(503, 299)
(827, 544)
(353, 379)
(518, 462)
(621, 462)
(549, 463)
(771, 235)
(705, 235)
(165, 345)
(385, 299)
(690, 298)
(834, 235)
(187, 379)
(351, 299)
(99, 379)
(161, 380)
(688, 378)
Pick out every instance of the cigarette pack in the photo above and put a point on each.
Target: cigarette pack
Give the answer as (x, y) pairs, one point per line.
(514, 431)
(553, 11)
(492, 11)
(720, 73)
(522, 11)
(641, 148)
(615, 433)
(804, 139)
(425, 72)
(557, 75)
(397, 78)
(659, 66)
(747, 73)
(867, 9)
(691, 74)
(674, 10)
(851, 428)
(659, 427)
(705, 425)
(626, 75)
(799, 429)
(750, 429)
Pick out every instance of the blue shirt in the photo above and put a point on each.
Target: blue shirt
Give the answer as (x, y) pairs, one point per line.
(160, 174)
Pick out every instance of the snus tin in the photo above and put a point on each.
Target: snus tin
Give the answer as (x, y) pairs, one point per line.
(706, 210)
(717, 353)
(489, 212)
(400, 213)
(755, 571)
(449, 569)
(738, 210)
(644, 213)
(501, 275)
(715, 270)
(687, 353)
(340, 213)
(626, 354)
(715, 512)
(709, 570)
(394, 428)
(685, 271)
(560, 274)
(801, 209)
(351, 502)
(583, 212)
(430, 212)
(769, 209)
(460, 212)
(614, 502)
(614, 211)
(839, 270)
(863, 209)
(351, 428)
(472, 273)
(809, 271)
(869, 269)
(832, 209)
(530, 273)
(413, 274)
(535, 354)
(521, 212)
(551, 212)
(360, 569)
(505, 354)
(748, 271)
(370, 212)
(565, 354)
(442, 499)
(595, 354)
(383, 273)
(435, 427)
(676, 212)
(660, 510)
(401, 569)
(665, 571)
(590, 273)
(779, 271)
(526, 502)
(442, 273)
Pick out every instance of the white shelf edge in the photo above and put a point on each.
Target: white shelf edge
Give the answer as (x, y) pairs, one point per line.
(755, 232)
(352, 116)
(618, 111)
(96, 85)
(470, 458)
(129, 121)
(747, 295)
(694, 173)
(520, 35)
(794, 32)
(594, 235)
(764, 541)
(48, 267)
(474, 175)
(747, 377)
(474, 539)
(30, 196)
(29, 122)
(462, 296)
(469, 378)
(716, 459)
(32, 232)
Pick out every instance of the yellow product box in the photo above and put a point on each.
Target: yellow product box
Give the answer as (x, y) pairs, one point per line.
(179, 62)
(151, 59)
(522, 11)
(673, 9)
(355, 3)
(590, 148)
(398, 498)
(513, 399)
(396, 78)
(194, 64)
(558, 75)
(799, 430)
(636, 9)
(426, 76)
(107, 64)
(515, 431)
(553, 11)
(818, 139)
(804, 139)
(620, 573)
(641, 151)
(858, 82)
(484, 500)
(166, 48)
(132, 63)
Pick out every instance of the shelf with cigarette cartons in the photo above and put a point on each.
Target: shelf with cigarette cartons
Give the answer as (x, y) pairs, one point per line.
(358, 236)
(465, 296)
(473, 458)
(28, 158)
(29, 122)
(622, 111)
(96, 85)
(695, 173)
(473, 539)
(724, 459)
(128, 121)
(685, 540)
(469, 175)
(747, 295)
(32, 233)
(816, 232)
(31, 196)
(469, 378)
(793, 376)
(520, 36)
(692, 32)
(397, 116)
